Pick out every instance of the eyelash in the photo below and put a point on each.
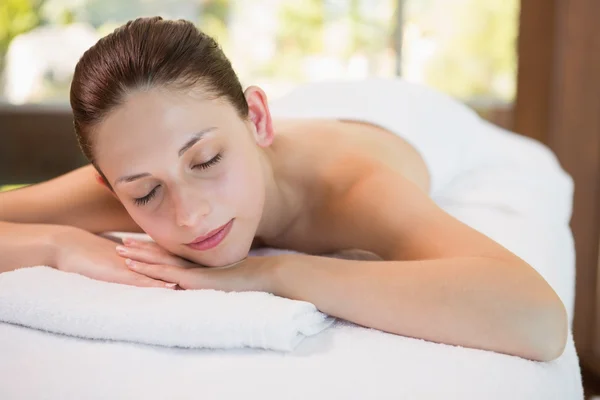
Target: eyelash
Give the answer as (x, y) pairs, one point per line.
(209, 163)
(144, 200)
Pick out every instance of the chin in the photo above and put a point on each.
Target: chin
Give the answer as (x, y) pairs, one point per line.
(219, 256)
(222, 260)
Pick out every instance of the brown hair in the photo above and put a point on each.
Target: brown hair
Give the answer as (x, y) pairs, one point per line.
(146, 53)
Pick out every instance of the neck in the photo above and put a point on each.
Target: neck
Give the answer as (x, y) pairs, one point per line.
(282, 200)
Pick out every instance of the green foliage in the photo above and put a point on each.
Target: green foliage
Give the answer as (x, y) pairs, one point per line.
(478, 60)
(368, 34)
(16, 17)
(301, 26)
(213, 19)
(6, 188)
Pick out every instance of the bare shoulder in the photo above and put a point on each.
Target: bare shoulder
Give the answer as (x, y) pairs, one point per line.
(388, 150)
(338, 162)
(359, 213)
(385, 213)
(373, 195)
(348, 142)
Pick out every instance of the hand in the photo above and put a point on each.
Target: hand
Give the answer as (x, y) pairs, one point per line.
(250, 274)
(84, 253)
(151, 253)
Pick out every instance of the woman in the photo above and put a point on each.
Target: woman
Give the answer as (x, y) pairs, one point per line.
(187, 157)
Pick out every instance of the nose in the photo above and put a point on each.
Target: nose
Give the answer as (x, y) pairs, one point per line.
(189, 210)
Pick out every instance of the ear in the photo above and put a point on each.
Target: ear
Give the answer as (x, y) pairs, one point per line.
(100, 180)
(259, 116)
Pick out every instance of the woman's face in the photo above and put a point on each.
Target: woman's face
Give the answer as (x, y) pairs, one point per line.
(184, 166)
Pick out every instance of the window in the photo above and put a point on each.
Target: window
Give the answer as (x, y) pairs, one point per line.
(463, 47)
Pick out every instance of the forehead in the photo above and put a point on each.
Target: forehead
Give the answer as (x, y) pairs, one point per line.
(160, 111)
(154, 120)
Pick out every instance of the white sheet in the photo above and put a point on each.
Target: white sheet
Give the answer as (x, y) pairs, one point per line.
(343, 362)
(521, 198)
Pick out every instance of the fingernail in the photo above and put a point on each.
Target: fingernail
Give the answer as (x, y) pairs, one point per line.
(128, 241)
(131, 263)
(170, 285)
(121, 249)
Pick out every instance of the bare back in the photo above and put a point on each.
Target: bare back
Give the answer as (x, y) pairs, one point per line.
(325, 140)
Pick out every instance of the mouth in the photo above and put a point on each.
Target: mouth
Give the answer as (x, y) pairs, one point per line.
(212, 238)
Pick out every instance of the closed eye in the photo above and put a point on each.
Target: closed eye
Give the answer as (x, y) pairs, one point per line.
(209, 163)
(144, 200)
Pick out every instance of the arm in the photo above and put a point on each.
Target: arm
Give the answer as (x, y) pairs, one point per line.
(74, 199)
(441, 281)
(68, 249)
(26, 245)
(468, 302)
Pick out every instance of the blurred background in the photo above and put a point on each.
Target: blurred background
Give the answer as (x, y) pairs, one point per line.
(531, 66)
(466, 48)
(463, 47)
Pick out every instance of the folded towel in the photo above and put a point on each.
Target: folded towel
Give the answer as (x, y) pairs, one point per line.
(60, 302)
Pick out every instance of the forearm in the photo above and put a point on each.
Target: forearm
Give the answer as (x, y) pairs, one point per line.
(26, 245)
(73, 199)
(472, 302)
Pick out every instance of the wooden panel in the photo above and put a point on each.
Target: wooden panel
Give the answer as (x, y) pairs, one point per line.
(558, 102)
(36, 143)
(574, 134)
(535, 47)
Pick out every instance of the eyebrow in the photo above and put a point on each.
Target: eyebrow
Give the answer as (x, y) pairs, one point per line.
(196, 137)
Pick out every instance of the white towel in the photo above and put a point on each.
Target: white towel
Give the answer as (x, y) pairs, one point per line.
(60, 302)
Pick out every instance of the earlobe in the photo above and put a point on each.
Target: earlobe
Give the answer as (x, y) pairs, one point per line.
(101, 181)
(259, 115)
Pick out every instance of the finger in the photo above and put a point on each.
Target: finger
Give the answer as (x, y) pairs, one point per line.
(154, 255)
(139, 280)
(144, 255)
(167, 273)
(130, 242)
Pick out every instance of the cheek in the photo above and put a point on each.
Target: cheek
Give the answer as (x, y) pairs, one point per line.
(244, 187)
(156, 227)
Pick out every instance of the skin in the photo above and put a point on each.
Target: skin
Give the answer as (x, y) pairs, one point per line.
(145, 136)
(314, 186)
(258, 181)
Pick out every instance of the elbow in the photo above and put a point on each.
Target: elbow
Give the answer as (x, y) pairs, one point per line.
(538, 319)
(547, 330)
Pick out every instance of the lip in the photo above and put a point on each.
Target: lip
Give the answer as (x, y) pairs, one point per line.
(212, 238)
